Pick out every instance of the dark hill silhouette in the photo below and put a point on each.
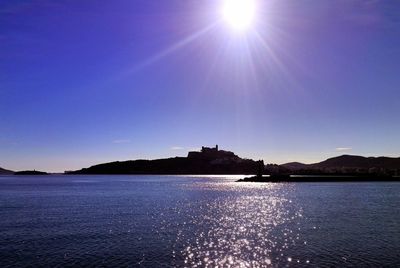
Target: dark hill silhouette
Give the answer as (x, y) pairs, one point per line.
(30, 172)
(348, 164)
(207, 161)
(5, 172)
(353, 161)
(345, 168)
(294, 165)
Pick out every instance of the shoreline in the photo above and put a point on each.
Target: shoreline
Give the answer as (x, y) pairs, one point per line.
(320, 178)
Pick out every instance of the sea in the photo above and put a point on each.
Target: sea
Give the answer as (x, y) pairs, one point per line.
(196, 221)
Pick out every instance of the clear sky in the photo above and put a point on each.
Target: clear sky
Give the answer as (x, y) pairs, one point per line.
(85, 82)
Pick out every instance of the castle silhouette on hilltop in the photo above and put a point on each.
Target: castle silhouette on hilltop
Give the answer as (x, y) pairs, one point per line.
(211, 153)
(208, 149)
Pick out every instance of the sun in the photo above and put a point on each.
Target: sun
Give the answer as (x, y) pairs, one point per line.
(239, 14)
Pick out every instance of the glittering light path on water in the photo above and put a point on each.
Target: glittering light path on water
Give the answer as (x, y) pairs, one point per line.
(240, 230)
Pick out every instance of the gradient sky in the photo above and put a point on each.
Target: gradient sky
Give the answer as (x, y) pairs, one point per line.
(85, 82)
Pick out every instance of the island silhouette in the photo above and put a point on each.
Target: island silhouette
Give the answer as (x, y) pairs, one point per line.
(212, 160)
(207, 161)
(30, 172)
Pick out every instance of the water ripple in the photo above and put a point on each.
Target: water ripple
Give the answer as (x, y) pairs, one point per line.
(196, 221)
(248, 226)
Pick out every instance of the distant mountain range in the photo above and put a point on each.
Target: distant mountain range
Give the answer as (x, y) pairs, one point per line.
(349, 163)
(5, 172)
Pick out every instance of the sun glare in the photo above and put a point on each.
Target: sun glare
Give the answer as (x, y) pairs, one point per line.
(239, 14)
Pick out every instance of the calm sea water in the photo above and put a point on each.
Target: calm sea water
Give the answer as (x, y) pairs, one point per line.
(184, 221)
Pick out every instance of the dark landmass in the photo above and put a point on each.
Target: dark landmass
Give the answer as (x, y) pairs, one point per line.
(360, 162)
(215, 161)
(207, 161)
(30, 172)
(6, 172)
(294, 166)
(319, 178)
(345, 168)
(342, 165)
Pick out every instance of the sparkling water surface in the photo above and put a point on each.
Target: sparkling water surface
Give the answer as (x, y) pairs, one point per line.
(196, 221)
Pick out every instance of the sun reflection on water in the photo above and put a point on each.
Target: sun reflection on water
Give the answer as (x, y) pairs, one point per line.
(243, 225)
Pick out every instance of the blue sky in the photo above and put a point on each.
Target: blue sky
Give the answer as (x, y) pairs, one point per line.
(85, 82)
